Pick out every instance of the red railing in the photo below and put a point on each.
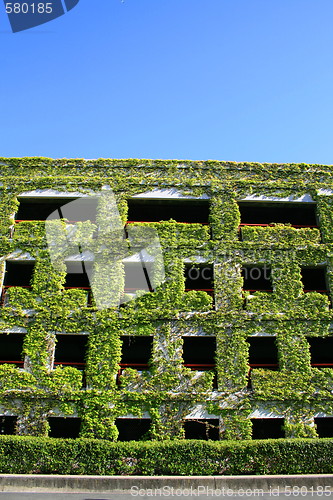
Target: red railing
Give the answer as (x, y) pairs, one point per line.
(17, 363)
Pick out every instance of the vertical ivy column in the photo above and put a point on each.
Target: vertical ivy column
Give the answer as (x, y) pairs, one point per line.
(232, 357)
(8, 207)
(299, 423)
(294, 351)
(325, 215)
(102, 365)
(224, 217)
(32, 420)
(170, 379)
(228, 283)
(236, 425)
(104, 351)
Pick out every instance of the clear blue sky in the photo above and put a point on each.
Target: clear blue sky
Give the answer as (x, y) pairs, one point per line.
(239, 80)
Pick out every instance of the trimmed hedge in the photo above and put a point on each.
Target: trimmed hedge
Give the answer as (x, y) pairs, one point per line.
(33, 455)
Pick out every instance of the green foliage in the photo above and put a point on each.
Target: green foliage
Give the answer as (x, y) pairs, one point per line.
(32, 455)
(167, 390)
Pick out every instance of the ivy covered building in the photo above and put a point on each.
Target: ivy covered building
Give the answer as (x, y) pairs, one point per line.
(234, 342)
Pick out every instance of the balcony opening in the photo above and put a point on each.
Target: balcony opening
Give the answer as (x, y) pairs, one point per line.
(7, 424)
(61, 427)
(190, 211)
(202, 428)
(40, 208)
(199, 354)
(267, 428)
(78, 277)
(199, 277)
(70, 350)
(264, 213)
(321, 351)
(257, 278)
(263, 352)
(324, 427)
(11, 347)
(132, 429)
(314, 279)
(136, 353)
(18, 273)
(138, 276)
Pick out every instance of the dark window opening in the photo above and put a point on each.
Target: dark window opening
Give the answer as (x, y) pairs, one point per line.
(324, 427)
(138, 276)
(257, 278)
(199, 351)
(11, 347)
(136, 351)
(41, 208)
(61, 427)
(18, 273)
(321, 351)
(77, 276)
(199, 277)
(143, 210)
(70, 350)
(8, 424)
(314, 279)
(132, 429)
(199, 354)
(202, 429)
(297, 214)
(267, 428)
(263, 352)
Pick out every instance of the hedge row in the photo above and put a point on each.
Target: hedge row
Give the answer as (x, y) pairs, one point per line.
(33, 455)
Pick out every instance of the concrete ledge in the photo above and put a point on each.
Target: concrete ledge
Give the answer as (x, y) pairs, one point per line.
(122, 484)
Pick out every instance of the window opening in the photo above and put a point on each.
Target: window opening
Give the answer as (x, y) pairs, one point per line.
(324, 426)
(61, 427)
(8, 424)
(136, 353)
(138, 276)
(70, 350)
(263, 353)
(314, 279)
(40, 208)
(199, 277)
(11, 347)
(201, 428)
(257, 278)
(132, 429)
(267, 428)
(77, 277)
(17, 273)
(188, 211)
(265, 213)
(199, 354)
(321, 351)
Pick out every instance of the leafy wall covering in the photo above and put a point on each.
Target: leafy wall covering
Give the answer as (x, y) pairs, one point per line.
(169, 391)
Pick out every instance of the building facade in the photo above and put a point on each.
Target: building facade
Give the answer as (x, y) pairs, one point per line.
(181, 300)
